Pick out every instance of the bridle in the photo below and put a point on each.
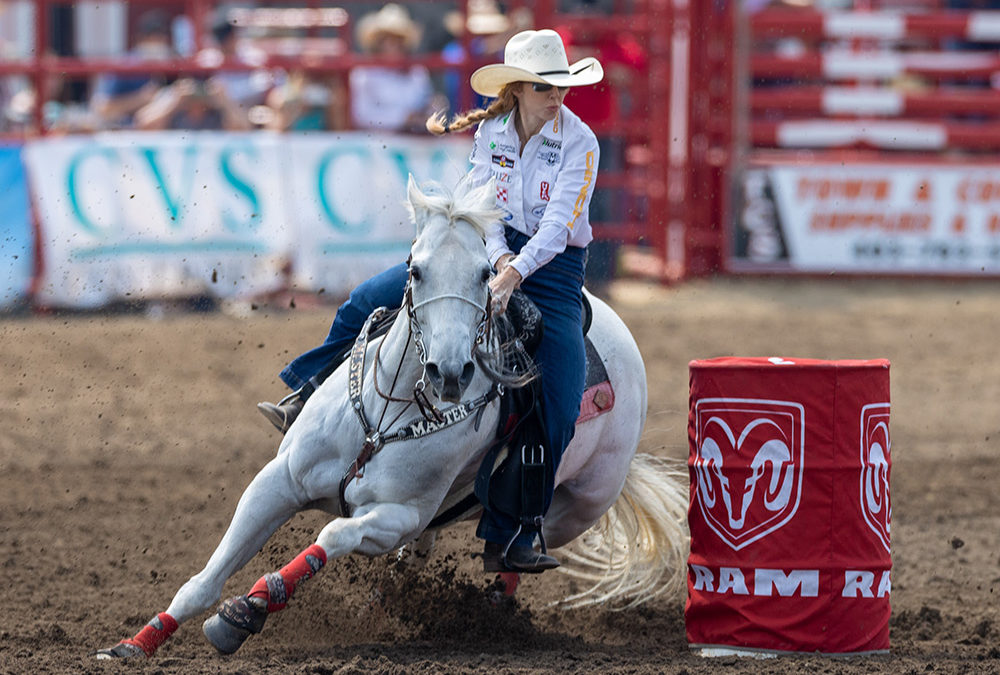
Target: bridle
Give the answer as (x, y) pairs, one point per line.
(417, 334)
(431, 419)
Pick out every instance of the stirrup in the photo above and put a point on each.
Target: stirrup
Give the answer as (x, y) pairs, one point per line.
(511, 557)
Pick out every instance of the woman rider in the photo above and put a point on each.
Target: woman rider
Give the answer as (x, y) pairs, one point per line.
(543, 159)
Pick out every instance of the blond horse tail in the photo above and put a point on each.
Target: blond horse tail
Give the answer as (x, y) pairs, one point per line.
(637, 551)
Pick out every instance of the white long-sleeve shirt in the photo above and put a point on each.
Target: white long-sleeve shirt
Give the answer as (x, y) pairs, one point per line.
(544, 191)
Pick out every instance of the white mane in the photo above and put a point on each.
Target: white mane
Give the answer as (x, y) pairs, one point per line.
(473, 204)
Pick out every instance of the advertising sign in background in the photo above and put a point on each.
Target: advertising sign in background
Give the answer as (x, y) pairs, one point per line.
(16, 240)
(868, 218)
(147, 215)
(348, 200)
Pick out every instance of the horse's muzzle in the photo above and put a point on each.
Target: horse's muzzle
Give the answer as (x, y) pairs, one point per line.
(450, 378)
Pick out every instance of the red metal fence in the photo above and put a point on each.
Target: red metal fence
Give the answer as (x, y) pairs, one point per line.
(870, 79)
(667, 169)
(904, 96)
(716, 89)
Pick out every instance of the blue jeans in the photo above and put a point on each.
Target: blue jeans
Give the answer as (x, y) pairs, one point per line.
(556, 288)
(382, 290)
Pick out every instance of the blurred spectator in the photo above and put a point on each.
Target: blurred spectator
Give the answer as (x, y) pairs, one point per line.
(17, 99)
(246, 87)
(307, 103)
(624, 61)
(488, 29)
(192, 104)
(117, 97)
(390, 98)
(65, 109)
(62, 110)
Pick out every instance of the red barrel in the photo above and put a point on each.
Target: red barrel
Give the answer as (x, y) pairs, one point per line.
(790, 511)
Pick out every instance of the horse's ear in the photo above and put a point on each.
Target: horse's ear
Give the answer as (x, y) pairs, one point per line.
(414, 198)
(413, 192)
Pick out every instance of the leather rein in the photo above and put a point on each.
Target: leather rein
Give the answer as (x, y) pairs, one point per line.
(431, 419)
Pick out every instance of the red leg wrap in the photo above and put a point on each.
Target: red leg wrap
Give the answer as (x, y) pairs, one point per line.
(154, 633)
(510, 581)
(277, 587)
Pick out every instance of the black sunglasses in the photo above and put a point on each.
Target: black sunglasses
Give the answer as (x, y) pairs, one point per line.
(541, 87)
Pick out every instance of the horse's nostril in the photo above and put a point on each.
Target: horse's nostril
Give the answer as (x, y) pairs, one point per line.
(468, 370)
(433, 372)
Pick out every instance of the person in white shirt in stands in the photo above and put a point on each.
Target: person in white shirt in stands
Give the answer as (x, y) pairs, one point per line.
(390, 98)
(544, 160)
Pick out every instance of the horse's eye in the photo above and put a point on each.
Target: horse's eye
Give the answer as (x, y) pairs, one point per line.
(415, 273)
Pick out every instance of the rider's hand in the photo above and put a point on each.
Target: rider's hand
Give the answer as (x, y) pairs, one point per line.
(502, 286)
(503, 261)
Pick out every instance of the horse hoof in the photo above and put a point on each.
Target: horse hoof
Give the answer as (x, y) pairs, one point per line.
(237, 619)
(122, 650)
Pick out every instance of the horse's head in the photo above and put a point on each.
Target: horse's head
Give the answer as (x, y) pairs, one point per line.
(448, 293)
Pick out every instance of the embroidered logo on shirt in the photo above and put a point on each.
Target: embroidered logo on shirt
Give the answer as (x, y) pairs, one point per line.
(502, 194)
(501, 176)
(544, 192)
(548, 143)
(538, 211)
(493, 146)
(581, 199)
(503, 161)
(548, 157)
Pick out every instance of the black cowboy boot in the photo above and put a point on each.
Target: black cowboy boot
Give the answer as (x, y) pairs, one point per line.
(282, 414)
(520, 558)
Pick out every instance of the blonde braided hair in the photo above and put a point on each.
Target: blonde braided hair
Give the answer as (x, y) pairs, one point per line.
(438, 124)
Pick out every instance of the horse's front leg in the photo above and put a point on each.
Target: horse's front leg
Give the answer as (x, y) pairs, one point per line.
(373, 530)
(268, 502)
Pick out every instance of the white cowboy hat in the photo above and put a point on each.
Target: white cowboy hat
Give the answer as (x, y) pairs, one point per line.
(392, 20)
(536, 56)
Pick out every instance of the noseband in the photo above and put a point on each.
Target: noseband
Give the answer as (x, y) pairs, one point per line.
(482, 330)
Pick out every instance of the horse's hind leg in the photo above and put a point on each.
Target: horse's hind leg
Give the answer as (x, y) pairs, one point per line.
(268, 502)
(579, 503)
(373, 531)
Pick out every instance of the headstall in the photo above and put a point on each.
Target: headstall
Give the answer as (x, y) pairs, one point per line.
(431, 419)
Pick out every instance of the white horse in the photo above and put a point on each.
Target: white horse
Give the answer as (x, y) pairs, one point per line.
(635, 553)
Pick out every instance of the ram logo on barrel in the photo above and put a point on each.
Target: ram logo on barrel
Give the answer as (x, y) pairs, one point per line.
(876, 461)
(748, 469)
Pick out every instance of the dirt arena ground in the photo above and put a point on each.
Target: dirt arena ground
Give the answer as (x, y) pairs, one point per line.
(127, 440)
